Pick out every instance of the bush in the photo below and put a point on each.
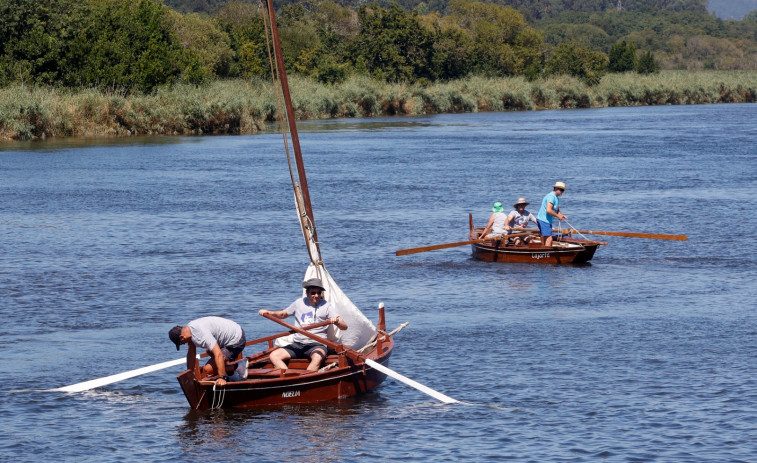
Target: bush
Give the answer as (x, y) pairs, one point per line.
(647, 64)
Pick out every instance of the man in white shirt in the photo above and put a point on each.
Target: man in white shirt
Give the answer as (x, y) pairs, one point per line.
(306, 310)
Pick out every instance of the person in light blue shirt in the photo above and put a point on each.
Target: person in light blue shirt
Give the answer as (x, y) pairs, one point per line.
(550, 208)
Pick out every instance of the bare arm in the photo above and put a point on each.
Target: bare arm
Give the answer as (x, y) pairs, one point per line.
(488, 226)
(220, 362)
(551, 211)
(191, 355)
(280, 314)
(509, 221)
(339, 322)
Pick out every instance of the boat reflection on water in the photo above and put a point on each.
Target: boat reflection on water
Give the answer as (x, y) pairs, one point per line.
(303, 432)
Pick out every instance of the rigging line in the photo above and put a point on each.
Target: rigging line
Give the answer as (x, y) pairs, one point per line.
(575, 230)
(308, 228)
(280, 113)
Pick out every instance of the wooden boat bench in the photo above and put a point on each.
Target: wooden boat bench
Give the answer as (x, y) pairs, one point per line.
(297, 367)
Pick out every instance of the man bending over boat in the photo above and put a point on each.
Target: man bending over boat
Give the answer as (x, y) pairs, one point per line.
(550, 208)
(519, 218)
(223, 339)
(306, 310)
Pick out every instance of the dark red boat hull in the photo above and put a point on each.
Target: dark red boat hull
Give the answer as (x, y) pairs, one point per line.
(532, 254)
(267, 387)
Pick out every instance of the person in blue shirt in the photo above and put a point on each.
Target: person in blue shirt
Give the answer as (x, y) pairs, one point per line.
(550, 208)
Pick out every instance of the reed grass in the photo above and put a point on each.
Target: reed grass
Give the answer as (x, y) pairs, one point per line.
(247, 106)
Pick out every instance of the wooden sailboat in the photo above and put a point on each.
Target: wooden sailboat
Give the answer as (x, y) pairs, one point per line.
(358, 356)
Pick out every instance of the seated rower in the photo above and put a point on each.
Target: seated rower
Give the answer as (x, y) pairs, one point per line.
(519, 218)
(306, 310)
(496, 222)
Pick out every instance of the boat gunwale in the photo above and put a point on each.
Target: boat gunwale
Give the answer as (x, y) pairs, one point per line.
(305, 379)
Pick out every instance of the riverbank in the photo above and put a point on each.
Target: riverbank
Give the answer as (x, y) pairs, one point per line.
(243, 106)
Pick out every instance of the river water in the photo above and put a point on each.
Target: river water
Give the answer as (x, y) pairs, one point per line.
(645, 354)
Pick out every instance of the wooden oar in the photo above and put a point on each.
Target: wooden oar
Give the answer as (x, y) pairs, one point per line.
(434, 247)
(653, 236)
(98, 382)
(356, 356)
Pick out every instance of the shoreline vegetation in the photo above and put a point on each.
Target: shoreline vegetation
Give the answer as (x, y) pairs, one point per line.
(233, 107)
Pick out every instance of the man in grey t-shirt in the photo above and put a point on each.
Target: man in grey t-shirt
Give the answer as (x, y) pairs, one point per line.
(306, 310)
(223, 339)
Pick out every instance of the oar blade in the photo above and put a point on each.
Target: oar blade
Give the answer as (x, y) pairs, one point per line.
(652, 236)
(94, 383)
(425, 389)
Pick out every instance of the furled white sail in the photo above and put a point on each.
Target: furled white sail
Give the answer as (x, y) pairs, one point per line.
(360, 330)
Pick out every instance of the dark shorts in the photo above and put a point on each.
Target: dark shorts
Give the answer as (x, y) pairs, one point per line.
(231, 352)
(304, 351)
(545, 228)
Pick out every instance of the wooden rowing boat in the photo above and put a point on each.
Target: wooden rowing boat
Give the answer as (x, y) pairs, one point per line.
(565, 249)
(344, 374)
(358, 357)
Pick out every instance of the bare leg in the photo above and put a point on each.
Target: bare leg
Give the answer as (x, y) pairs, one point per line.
(279, 357)
(209, 369)
(315, 360)
(547, 240)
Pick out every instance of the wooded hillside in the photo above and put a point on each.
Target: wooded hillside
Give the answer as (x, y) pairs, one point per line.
(140, 45)
(532, 9)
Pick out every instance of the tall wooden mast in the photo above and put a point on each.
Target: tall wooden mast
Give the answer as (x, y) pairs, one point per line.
(291, 121)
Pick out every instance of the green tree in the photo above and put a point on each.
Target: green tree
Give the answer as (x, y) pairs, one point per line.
(393, 45)
(337, 28)
(243, 24)
(202, 37)
(577, 61)
(622, 57)
(452, 53)
(647, 64)
(124, 45)
(502, 43)
(33, 37)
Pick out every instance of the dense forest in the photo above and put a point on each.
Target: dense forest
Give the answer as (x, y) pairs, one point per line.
(531, 9)
(140, 45)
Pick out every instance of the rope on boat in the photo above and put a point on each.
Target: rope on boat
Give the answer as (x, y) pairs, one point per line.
(219, 395)
(372, 343)
(573, 229)
(329, 366)
(397, 330)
